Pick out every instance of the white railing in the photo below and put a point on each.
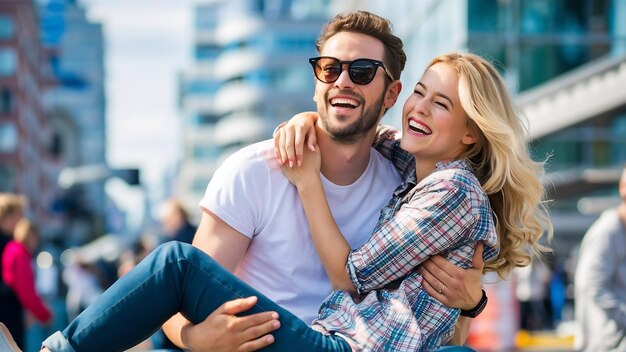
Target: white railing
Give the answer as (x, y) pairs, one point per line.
(584, 93)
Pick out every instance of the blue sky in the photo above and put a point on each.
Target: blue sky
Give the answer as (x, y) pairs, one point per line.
(147, 44)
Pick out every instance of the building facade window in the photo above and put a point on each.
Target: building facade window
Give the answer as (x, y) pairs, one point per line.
(7, 178)
(8, 62)
(206, 51)
(540, 39)
(8, 137)
(199, 185)
(6, 101)
(600, 143)
(204, 119)
(618, 137)
(201, 152)
(485, 16)
(7, 27)
(200, 87)
(283, 42)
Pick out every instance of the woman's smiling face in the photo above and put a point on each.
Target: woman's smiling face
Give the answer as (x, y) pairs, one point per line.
(433, 121)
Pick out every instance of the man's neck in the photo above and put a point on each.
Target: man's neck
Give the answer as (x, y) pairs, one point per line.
(344, 163)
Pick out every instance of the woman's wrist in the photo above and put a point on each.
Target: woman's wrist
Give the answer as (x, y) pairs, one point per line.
(309, 185)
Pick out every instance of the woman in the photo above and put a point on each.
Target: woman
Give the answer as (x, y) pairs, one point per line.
(17, 291)
(17, 270)
(458, 123)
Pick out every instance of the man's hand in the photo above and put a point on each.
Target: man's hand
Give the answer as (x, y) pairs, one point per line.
(451, 285)
(222, 330)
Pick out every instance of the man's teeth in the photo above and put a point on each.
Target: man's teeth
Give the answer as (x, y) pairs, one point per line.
(418, 127)
(343, 102)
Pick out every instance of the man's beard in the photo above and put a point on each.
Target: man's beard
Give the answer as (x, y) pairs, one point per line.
(358, 129)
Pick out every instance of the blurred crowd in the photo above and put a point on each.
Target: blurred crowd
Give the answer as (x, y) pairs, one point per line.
(40, 293)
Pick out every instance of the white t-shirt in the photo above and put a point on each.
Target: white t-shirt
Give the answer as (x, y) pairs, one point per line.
(250, 193)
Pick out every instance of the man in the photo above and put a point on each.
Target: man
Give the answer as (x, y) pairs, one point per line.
(252, 220)
(600, 282)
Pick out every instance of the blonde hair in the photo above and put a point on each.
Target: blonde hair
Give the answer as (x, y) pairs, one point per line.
(25, 230)
(10, 204)
(502, 162)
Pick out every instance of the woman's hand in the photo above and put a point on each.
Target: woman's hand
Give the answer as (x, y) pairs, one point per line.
(289, 138)
(308, 170)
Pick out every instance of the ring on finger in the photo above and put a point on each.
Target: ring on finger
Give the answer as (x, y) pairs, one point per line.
(443, 287)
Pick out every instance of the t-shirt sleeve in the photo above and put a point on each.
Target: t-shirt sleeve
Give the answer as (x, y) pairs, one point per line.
(237, 189)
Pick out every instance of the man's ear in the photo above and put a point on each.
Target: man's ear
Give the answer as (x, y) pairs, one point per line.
(393, 91)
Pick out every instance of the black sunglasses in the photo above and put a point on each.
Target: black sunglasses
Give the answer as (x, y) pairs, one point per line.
(327, 69)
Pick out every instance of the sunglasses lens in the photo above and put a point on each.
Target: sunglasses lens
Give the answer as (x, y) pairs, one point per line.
(327, 70)
(362, 71)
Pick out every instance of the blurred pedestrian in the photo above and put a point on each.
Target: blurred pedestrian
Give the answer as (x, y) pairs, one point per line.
(600, 282)
(11, 211)
(84, 286)
(138, 250)
(176, 227)
(17, 271)
(532, 292)
(558, 293)
(11, 310)
(176, 224)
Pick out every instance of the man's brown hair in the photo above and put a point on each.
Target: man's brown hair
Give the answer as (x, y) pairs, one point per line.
(373, 25)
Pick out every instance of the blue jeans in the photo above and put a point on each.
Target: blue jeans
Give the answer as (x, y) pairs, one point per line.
(175, 277)
(455, 349)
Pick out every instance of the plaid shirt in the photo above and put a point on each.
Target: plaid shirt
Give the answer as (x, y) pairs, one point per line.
(447, 213)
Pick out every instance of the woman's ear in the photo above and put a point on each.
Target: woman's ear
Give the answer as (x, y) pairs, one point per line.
(470, 136)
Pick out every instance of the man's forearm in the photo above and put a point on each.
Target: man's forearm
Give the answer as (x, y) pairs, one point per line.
(173, 328)
(461, 331)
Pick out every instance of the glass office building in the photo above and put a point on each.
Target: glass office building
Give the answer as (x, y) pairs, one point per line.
(249, 72)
